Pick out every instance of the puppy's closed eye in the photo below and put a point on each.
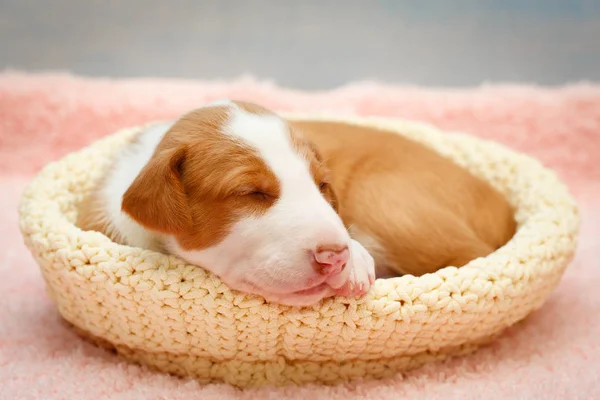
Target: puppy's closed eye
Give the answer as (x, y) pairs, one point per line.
(255, 193)
(258, 195)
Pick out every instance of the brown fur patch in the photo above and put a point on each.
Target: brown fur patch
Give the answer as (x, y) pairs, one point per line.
(423, 210)
(199, 182)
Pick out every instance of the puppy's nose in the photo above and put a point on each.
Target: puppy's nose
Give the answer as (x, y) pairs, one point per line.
(330, 260)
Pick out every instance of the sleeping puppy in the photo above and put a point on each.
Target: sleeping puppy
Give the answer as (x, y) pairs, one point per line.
(294, 211)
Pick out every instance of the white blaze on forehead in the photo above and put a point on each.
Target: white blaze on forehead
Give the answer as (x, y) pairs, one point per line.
(270, 135)
(300, 197)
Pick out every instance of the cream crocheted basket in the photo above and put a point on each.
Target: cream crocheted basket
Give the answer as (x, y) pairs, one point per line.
(156, 310)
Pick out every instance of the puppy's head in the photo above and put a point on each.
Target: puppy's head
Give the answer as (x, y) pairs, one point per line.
(236, 189)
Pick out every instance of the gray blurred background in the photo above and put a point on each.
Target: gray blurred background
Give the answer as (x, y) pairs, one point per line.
(308, 44)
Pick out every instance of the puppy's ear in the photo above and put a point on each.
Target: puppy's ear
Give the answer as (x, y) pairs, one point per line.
(156, 199)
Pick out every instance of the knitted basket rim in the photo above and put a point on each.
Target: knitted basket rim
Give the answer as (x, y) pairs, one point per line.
(156, 310)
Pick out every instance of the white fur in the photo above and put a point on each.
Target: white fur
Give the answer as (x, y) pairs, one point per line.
(268, 255)
(128, 165)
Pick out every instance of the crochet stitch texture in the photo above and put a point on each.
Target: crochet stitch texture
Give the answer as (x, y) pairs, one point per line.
(156, 310)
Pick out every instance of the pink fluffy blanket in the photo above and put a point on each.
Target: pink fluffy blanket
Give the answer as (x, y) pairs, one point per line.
(554, 354)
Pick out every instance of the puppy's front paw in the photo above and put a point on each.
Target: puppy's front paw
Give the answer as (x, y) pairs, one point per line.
(360, 274)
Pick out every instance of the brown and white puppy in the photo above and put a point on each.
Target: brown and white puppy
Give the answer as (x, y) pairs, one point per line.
(287, 210)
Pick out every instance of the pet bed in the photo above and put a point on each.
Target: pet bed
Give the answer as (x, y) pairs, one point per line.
(156, 310)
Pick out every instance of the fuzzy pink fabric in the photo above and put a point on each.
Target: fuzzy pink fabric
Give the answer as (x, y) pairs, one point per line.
(554, 354)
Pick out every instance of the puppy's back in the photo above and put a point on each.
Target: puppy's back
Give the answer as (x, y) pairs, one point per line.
(416, 210)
